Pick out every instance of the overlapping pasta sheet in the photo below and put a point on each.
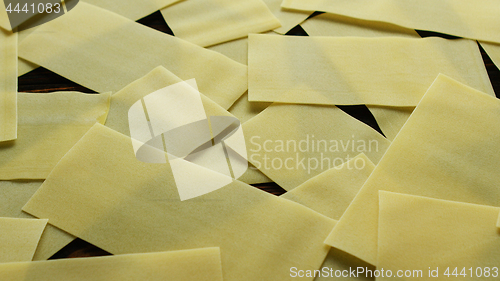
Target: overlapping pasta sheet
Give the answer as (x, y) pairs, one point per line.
(288, 18)
(440, 152)
(293, 143)
(157, 79)
(376, 71)
(131, 8)
(330, 193)
(126, 8)
(443, 234)
(13, 196)
(130, 206)
(102, 50)
(391, 119)
(210, 22)
(337, 25)
(49, 125)
(475, 20)
(19, 238)
(8, 85)
(493, 51)
(186, 265)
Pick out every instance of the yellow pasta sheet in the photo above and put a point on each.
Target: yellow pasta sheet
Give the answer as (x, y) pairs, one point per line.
(337, 25)
(440, 152)
(186, 265)
(106, 52)
(131, 8)
(428, 236)
(493, 51)
(293, 143)
(132, 207)
(475, 20)
(49, 125)
(288, 18)
(13, 196)
(391, 119)
(210, 22)
(19, 238)
(331, 192)
(4, 18)
(376, 71)
(8, 85)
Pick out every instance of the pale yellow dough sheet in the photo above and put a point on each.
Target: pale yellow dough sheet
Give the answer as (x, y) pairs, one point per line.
(418, 233)
(336, 138)
(49, 125)
(330, 193)
(132, 207)
(464, 18)
(13, 196)
(19, 238)
(105, 52)
(390, 119)
(157, 79)
(8, 85)
(288, 18)
(132, 9)
(185, 265)
(493, 51)
(440, 152)
(210, 22)
(386, 71)
(4, 18)
(337, 25)
(236, 49)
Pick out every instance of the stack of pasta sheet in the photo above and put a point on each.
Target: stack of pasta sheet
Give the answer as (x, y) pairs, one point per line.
(379, 145)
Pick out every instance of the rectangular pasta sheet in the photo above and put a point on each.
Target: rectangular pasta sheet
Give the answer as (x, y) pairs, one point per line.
(419, 233)
(8, 85)
(440, 152)
(292, 143)
(350, 70)
(13, 196)
(4, 18)
(331, 192)
(19, 238)
(131, 8)
(130, 206)
(49, 125)
(105, 52)
(464, 18)
(210, 22)
(185, 265)
(337, 25)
